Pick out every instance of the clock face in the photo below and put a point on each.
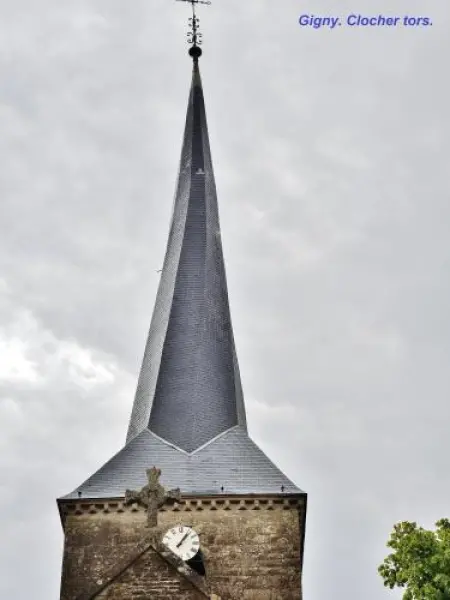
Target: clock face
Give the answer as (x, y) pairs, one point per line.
(183, 541)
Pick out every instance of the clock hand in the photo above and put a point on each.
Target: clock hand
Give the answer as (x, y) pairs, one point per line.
(182, 539)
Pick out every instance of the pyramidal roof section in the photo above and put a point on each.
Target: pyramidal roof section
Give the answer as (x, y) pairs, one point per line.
(189, 389)
(230, 464)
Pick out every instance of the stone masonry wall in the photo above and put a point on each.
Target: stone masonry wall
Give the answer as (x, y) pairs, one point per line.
(252, 549)
(150, 577)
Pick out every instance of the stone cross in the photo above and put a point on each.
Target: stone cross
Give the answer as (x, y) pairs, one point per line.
(153, 496)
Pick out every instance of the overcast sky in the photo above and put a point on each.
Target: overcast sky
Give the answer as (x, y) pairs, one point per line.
(331, 154)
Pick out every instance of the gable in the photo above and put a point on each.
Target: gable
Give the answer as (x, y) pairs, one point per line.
(153, 577)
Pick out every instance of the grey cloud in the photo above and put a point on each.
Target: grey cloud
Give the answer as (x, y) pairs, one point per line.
(331, 153)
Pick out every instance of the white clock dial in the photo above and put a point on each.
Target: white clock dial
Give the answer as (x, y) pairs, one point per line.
(183, 541)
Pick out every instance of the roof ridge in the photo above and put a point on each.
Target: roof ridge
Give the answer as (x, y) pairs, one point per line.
(175, 447)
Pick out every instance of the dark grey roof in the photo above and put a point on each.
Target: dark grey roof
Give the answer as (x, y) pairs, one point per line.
(188, 416)
(189, 388)
(232, 460)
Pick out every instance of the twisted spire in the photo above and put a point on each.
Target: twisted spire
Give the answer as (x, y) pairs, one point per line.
(189, 388)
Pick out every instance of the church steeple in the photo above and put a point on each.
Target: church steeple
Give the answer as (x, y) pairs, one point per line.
(224, 521)
(188, 416)
(189, 389)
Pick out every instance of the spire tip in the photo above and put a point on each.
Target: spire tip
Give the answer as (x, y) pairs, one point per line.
(194, 36)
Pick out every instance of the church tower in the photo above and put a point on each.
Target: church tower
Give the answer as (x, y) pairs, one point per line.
(190, 507)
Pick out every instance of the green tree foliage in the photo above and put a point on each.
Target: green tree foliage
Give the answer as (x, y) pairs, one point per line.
(420, 561)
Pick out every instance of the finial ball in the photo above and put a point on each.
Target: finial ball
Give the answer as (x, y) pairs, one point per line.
(195, 52)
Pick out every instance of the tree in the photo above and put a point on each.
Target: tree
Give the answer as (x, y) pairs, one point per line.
(420, 561)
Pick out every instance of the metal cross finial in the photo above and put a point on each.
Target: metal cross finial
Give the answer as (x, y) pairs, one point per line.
(194, 37)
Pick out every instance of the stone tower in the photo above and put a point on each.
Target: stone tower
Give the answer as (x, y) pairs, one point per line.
(227, 524)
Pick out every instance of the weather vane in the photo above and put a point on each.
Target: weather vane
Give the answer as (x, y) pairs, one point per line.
(194, 37)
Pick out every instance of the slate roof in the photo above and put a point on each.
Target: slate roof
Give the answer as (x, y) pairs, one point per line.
(188, 417)
(189, 388)
(232, 460)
